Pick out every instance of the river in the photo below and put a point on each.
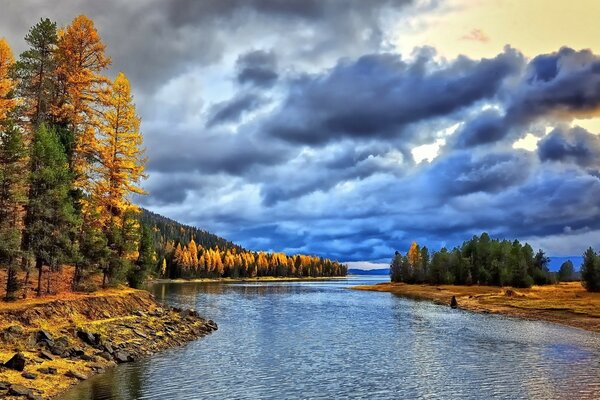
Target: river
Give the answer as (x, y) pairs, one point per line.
(319, 340)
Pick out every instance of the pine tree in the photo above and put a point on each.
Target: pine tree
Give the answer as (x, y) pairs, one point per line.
(50, 217)
(590, 271)
(396, 267)
(12, 200)
(36, 72)
(145, 261)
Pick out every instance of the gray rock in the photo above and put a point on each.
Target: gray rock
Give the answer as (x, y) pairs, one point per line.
(140, 333)
(77, 375)
(123, 357)
(87, 337)
(15, 329)
(29, 375)
(4, 385)
(18, 390)
(17, 362)
(42, 335)
(86, 357)
(46, 355)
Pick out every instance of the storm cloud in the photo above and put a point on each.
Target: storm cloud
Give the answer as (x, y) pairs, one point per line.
(294, 125)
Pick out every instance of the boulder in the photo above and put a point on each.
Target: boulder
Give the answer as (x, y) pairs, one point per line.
(46, 355)
(17, 362)
(29, 375)
(18, 390)
(87, 337)
(43, 335)
(140, 333)
(123, 357)
(75, 374)
(212, 325)
(15, 329)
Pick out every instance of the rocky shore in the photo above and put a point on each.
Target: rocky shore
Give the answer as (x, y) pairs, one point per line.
(48, 346)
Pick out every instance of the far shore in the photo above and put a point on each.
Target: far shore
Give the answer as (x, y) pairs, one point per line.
(241, 280)
(564, 303)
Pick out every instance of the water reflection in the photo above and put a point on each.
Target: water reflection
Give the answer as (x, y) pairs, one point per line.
(318, 340)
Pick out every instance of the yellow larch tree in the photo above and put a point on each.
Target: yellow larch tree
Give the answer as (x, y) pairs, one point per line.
(414, 254)
(120, 166)
(82, 89)
(6, 83)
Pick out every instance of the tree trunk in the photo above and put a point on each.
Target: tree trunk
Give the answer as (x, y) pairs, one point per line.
(48, 281)
(12, 283)
(39, 265)
(26, 285)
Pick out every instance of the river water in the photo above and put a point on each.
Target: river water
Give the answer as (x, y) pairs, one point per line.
(319, 340)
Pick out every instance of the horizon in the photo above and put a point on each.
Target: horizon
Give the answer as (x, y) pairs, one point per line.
(353, 170)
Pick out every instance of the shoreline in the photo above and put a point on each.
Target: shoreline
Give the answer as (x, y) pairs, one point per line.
(242, 280)
(564, 303)
(48, 345)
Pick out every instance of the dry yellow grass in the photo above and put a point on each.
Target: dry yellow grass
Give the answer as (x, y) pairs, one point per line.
(564, 303)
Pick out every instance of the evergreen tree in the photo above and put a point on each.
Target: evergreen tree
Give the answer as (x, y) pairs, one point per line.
(50, 217)
(566, 271)
(36, 72)
(395, 267)
(12, 200)
(590, 271)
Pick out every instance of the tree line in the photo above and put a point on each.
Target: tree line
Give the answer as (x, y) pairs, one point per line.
(486, 261)
(193, 261)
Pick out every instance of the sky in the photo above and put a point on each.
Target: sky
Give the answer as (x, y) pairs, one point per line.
(350, 128)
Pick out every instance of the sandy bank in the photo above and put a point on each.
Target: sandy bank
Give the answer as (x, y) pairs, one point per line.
(564, 303)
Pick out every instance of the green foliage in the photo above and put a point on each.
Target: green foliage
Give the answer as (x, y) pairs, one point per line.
(12, 198)
(36, 71)
(50, 219)
(146, 260)
(566, 272)
(590, 270)
(480, 260)
(395, 267)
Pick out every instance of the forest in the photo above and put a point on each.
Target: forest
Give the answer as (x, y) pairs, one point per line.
(183, 251)
(71, 162)
(486, 261)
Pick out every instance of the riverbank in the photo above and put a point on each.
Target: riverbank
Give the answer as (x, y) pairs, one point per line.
(50, 344)
(242, 280)
(564, 303)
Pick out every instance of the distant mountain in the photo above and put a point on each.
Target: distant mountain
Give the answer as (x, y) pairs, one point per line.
(379, 271)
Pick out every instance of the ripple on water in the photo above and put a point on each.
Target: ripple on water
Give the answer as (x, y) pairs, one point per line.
(318, 340)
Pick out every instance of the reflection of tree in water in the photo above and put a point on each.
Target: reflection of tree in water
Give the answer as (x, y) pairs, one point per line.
(186, 293)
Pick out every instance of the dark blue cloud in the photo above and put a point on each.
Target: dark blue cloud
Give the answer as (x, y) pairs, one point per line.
(574, 145)
(379, 95)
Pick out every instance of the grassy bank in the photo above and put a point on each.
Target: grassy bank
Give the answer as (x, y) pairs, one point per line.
(564, 303)
(64, 339)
